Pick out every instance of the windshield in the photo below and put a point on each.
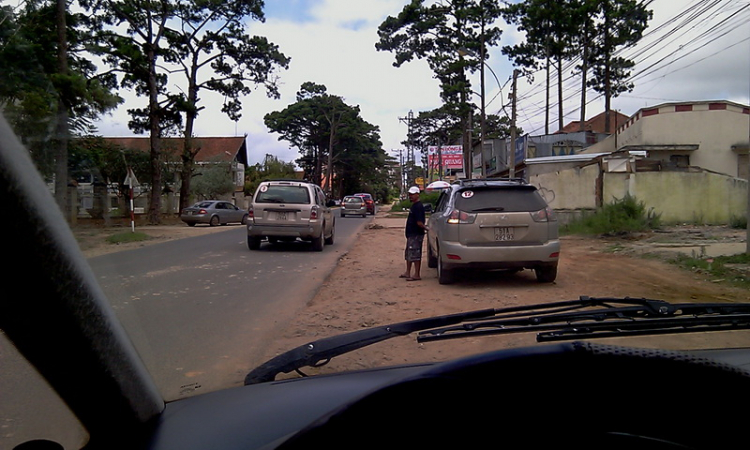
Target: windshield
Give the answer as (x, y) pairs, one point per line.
(639, 149)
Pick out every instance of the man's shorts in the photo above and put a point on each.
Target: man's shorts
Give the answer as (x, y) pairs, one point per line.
(413, 250)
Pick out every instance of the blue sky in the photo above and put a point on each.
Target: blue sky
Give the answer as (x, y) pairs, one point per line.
(332, 42)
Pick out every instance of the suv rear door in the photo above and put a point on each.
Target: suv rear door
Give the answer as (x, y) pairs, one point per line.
(282, 203)
(501, 215)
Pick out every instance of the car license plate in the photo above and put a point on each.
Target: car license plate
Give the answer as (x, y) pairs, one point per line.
(281, 215)
(503, 234)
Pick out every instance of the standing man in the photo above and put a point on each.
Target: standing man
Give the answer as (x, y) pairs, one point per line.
(415, 229)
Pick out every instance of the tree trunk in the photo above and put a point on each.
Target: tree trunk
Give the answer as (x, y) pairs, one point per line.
(62, 132)
(154, 209)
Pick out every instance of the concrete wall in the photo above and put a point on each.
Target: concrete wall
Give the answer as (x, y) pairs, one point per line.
(715, 127)
(680, 197)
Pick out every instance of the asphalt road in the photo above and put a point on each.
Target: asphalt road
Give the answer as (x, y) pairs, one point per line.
(200, 310)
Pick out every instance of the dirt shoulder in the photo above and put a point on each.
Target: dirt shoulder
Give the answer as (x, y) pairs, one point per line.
(365, 290)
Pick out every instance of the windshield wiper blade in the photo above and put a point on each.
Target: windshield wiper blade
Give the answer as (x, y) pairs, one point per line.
(320, 352)
(587, 317)
(637, 317)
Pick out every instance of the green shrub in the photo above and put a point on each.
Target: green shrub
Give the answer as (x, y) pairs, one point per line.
(424, 197)
(738, 222)
(625, 215)
(718, 267)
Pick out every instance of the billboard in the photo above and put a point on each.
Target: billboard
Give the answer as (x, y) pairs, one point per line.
(446, 156)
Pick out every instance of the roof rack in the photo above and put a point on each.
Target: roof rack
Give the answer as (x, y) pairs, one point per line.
(485, 180)
(295, 180)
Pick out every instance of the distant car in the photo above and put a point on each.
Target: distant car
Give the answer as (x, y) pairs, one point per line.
(213, 212)
(492, 224)
(369, 201)
(353, 206)
(287, 210)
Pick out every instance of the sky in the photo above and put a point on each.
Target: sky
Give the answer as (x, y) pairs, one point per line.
(692, 50)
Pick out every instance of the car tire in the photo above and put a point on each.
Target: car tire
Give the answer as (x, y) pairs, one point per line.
(319, 242)
(432, 261)
(244, 220)
(190, 224)
(214, 221)
(253, 242)
(445, 276)
(329, 239)
(546, 274)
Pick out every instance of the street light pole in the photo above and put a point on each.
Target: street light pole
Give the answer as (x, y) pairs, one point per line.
(512, 163)
(484, 115)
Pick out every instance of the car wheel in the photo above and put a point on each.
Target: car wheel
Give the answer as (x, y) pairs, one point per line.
(214, 221)
(546, 274)
(190, 224)
(319, 242)
(272, 240)
(445, 276)
(432, 261)
(253, 242)
(244, 220)
(329, 240)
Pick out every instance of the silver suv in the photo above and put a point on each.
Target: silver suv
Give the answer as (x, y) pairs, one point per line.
(492, 224)
(284, 210)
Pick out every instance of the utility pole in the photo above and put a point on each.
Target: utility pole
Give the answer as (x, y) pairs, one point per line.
(512, 163)
(409, 147)
(483, 128)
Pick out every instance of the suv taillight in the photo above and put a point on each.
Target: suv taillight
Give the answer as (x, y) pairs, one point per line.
(458, 216)
(250, 213)
(314, 213)
(544, 215)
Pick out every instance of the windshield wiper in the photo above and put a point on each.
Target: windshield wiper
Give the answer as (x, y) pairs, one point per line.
(587, 317)
(613, 317)
(320, 352)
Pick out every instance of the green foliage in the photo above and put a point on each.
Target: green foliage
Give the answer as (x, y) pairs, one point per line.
(331, 134)
(34, 88)
(128, 236)
(271, 168)
(738, 222)
(443, 34)
(212, 180)
(424, 197)
(621, 216)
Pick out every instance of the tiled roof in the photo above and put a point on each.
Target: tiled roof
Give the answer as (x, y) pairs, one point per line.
(210, 148)
(596, 123)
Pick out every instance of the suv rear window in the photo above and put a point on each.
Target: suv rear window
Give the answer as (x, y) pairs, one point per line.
(508, 199)
(283, 194)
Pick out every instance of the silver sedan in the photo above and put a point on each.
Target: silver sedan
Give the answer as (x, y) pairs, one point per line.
(213, 212)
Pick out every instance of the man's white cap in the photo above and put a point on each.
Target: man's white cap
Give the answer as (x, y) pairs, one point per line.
(414, 190)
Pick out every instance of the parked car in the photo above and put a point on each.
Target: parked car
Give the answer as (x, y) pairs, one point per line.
(213, 212)
(369, 201)
(492, 224)
(287, 210)
(353, 206)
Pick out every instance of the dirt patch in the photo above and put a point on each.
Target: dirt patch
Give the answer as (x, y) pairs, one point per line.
(365, 290)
